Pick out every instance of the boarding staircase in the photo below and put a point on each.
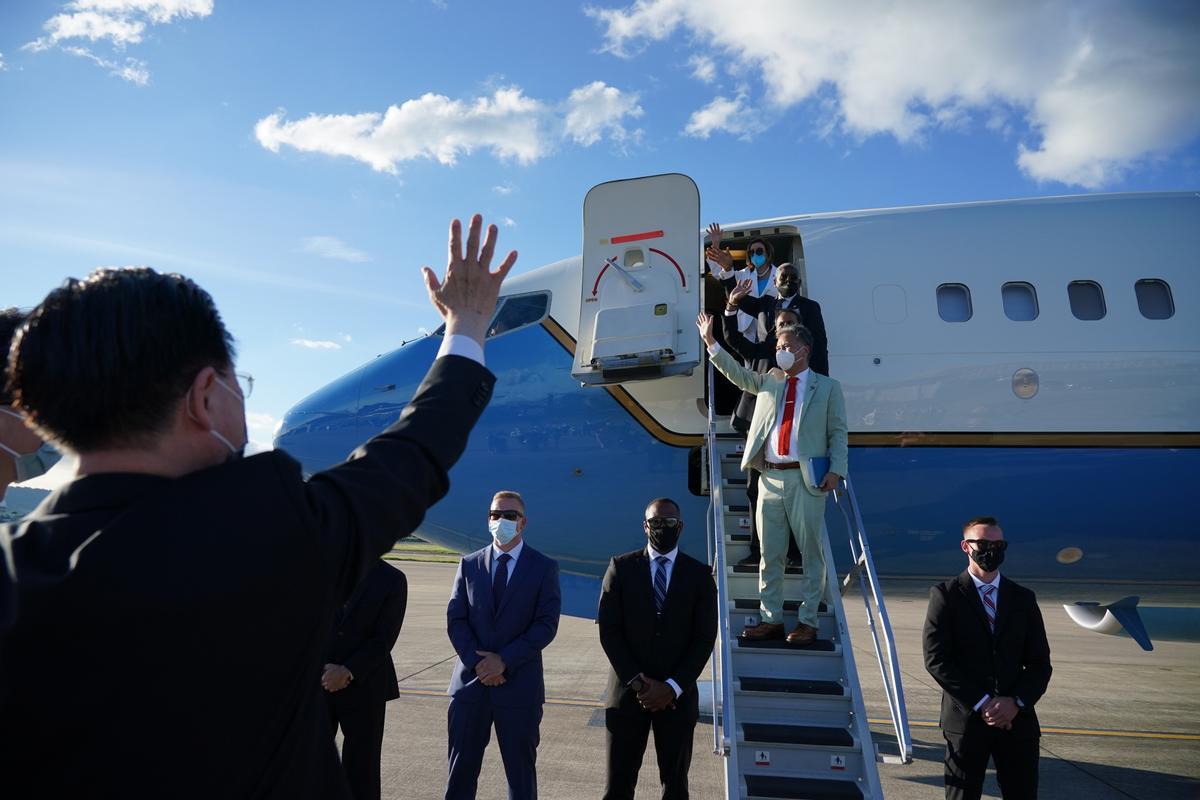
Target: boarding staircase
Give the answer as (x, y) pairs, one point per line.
(790, 720)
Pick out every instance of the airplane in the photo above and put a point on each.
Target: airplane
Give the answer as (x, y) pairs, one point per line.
(1031, 359)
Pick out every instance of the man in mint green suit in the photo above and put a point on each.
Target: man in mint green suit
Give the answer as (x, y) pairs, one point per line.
(798, 415)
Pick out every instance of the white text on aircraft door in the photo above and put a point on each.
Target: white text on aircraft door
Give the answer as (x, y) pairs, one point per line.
(641, 280)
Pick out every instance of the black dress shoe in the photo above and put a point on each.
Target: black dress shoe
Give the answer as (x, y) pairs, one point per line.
(751, 560)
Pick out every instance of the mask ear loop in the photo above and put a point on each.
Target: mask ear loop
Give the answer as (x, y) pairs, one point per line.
(211, 431)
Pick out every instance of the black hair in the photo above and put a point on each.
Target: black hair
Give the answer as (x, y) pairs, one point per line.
(10, 320)
(800, 332)
(103, 362)
(663, 501)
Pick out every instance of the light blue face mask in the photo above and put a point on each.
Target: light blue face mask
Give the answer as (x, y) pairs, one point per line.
(30, 465)
(503, 530)
(758, 259)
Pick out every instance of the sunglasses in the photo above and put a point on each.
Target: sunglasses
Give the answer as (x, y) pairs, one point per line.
(512, 516)
(987, 544)
(758, 251)
(658, 523)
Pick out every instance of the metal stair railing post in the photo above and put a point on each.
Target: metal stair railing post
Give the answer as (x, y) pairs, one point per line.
(885, 651)
(726, 745)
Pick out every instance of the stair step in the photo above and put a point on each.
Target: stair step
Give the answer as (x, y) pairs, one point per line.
(782, 787)
(737, 538)
(752, 604)
(818, 646)
(807, 735)
(791, 686)
(749, 569)
(737, 509)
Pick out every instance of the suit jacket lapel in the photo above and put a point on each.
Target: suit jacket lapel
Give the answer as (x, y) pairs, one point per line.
(645, 581)
(1004, 603)
(672, 586)
(485, 563)
(967, 586)
(810, 388)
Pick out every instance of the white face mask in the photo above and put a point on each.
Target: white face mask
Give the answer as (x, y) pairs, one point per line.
(30, 465)
(786, 359)
(503, 530)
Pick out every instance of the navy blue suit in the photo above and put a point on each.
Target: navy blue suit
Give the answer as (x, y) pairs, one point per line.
(518, 630)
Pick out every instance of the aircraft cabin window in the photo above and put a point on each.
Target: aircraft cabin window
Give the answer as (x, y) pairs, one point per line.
(1020, 301)
(954, 302)
(1087, 300)
(519, 311)
(1154, 298)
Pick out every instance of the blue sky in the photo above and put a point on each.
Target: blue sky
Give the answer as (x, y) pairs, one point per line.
(300, 160)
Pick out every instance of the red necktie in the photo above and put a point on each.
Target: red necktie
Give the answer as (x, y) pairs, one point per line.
(784, 445)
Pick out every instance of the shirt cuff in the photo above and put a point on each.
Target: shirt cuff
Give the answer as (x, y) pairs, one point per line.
(457, 344)
(712, 351)
(729, 313)
(982, 702)
(678, 692)
(726, 274)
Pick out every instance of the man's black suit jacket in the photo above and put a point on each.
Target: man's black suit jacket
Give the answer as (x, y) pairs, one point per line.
(969, 661)
(675, 645)
(364, 632)
(166, 637)
(807, 309)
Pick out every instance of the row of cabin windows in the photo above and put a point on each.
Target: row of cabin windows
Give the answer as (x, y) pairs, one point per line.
(1086, 297)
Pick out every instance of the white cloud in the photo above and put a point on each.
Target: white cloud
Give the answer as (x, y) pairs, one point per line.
(507, 123)
(1101, 86)
(2, 66)
(722, 114)
(703, 68)
(317, 344)
(333, 248)
(119, 22)
(503, 189)
(508, 222)
(261, 428)
(133, 70)
(598, 109)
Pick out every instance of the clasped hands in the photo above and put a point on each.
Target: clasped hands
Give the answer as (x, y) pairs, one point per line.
(999, 712)
(656, 696)
(335, 678)
(490, 669)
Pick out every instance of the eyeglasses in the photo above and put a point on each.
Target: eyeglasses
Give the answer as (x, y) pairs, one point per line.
(245, 382)
(511, 516)
(987, 544)
(758, 251)
(658, 523)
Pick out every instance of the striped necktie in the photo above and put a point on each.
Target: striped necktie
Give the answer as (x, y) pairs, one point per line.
(989, 605)
(660, 583)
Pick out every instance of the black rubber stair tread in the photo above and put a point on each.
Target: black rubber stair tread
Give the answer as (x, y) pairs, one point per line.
(739, 537)
(748, 569)
(784, 788)
(723, 437)
(738, 509)
(736, 481)
(791, 686)
(752, 604)
(823, 645)
(813, 735)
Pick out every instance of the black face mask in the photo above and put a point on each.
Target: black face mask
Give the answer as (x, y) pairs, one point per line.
(988, 560)
(663, 539)
(788, 288)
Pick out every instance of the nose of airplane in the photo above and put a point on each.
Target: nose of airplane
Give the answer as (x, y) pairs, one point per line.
(323, 428)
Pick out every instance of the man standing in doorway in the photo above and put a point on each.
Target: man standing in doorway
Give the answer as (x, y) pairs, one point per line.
(985, 645)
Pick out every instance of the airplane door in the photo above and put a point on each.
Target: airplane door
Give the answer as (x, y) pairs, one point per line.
(641, 281)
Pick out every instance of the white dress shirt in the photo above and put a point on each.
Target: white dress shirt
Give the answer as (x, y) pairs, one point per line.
(772, 450)
(457, 344)
(669, 568)
(995, 582)
(514, 554)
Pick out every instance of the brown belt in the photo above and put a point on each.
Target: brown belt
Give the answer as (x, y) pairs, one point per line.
(785, 465)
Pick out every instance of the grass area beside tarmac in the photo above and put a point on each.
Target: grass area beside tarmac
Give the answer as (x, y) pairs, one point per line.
(411, 548)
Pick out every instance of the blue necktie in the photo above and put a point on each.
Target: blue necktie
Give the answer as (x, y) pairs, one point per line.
(500, 581)
(660, 583)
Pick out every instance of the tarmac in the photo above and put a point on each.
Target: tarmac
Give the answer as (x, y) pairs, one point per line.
(1117, 722)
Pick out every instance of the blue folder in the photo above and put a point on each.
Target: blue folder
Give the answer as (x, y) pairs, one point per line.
(818, 468)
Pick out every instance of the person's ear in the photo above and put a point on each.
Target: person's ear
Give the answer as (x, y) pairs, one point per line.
(196, 400)
(521, 523)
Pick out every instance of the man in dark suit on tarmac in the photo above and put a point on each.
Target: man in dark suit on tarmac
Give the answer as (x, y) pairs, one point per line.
(169, 609)
(359, 677)
(985, 644)
(503, 612)
(658, 622)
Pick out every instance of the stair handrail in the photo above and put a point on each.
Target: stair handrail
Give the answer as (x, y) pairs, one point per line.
(724, 742)
(885, 652)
